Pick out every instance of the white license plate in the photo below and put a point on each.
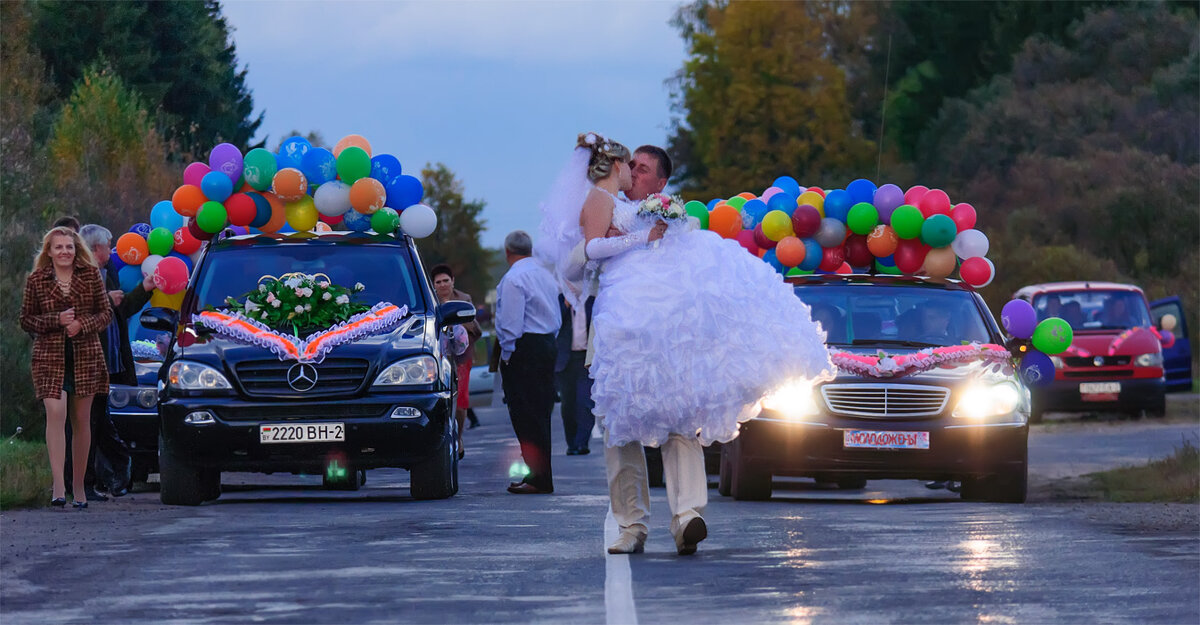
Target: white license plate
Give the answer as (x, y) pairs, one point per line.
(1087, 388)
(866, 439)
(302, 433)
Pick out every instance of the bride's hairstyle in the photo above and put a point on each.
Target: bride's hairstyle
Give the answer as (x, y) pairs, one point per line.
(604, 154)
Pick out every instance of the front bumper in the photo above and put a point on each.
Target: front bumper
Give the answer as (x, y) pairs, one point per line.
(815, 448)
(373, 438)
(1136, 394)
(138, 428)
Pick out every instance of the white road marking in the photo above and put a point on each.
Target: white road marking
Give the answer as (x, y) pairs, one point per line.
(619, 607)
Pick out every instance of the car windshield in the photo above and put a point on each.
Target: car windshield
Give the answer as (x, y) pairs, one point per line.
(896, 316)
(1095, 309)
(384, 271)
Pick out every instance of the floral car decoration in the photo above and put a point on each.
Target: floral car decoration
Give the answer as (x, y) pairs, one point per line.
(884, 365)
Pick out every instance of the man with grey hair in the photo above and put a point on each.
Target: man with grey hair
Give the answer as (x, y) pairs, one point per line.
(108, 450)
(527, 319)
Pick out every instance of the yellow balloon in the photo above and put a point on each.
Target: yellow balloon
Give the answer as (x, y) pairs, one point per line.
(302, 214)
(813, 199)
(162, 300)
(776, 225)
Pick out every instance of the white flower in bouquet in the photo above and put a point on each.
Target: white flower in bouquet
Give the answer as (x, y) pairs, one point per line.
(262, 287)
(358, 286)
(323, 284)
(299, 308)
(327, 296)
(292, 283)
(251, 306)
(308, 308)
(342, 299)
(276, 303)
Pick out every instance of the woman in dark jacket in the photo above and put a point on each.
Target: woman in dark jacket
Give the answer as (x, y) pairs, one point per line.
(64, 308)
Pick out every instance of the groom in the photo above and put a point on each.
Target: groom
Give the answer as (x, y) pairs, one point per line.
(683, 457)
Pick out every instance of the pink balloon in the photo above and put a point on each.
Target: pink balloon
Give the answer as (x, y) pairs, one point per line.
(171, 275)
(913, 195)
(963, 216)
(745, 238)
(766, 195)
(934, 202)
(194, 173)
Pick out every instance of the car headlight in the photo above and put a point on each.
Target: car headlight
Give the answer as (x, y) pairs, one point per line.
(1149, 360)
(147, 398)
(409, 372)
(793, 400)
(980, 401)
(118, 397)
(1058, 362)
(193, 376)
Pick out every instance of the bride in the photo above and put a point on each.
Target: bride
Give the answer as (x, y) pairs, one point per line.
(690, 331)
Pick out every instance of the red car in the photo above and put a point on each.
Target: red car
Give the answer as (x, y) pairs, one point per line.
(1115, 363)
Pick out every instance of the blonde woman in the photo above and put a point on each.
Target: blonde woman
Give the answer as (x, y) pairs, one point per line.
(65, 308)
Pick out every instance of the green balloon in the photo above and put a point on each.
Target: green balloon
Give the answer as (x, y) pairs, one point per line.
(938, 231)
(882, 268)
(736, 202)
(384, 220)
(906, 221)
(1053, 336)
(796, 271)
(353, 163)
(160, 241)
(699, 211)
(212, 217)
(863, 218)
(258, 168)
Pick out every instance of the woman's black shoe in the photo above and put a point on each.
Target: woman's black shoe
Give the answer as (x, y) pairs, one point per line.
(58, 502)
(79, 505)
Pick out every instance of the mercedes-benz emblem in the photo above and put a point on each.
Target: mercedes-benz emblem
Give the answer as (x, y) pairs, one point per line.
(302, 377)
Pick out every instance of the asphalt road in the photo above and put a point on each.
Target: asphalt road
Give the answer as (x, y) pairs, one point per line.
(280, 549)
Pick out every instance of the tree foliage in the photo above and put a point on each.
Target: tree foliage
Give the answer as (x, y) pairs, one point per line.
(455, 241)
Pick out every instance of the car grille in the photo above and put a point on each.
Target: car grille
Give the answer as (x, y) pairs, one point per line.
(301, 411)
(885, 401)
(1090, 361)
(269, 377)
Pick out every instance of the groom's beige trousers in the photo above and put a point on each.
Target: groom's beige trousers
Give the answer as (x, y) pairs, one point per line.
(683, 470)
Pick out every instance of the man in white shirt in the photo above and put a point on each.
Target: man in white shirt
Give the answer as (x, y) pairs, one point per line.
(527, 320)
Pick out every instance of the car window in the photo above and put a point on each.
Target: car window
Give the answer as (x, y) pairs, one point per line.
(384, 272)
(1171, 308)
(1094, 309)
(860, 314)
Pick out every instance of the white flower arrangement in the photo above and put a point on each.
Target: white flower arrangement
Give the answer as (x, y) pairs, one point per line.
(327, 296)
(358, 286)
(342, 299)
(662, 206)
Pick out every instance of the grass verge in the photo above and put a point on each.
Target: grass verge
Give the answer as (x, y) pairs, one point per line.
(24, 474)
(1174, 478)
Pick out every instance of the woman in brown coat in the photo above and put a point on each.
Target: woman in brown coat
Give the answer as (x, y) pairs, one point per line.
(64, 308)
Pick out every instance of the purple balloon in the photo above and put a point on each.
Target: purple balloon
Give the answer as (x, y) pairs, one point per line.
(887, 198)
(1019, 318)
(1036, 368)
(227, 159)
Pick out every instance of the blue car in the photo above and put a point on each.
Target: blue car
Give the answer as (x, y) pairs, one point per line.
(1177, 359)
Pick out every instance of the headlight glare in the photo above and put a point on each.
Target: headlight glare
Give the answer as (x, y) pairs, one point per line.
(193, 376)
(793, 400)
(420, 370)
(980, 401)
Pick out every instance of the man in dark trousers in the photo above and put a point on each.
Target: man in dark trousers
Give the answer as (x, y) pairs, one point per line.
(574, 385)
(527, 319)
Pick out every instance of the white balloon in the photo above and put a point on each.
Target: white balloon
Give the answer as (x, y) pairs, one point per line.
(418, 221)
(332, 198)
(970, 244)
(992, 277)
(150, 264)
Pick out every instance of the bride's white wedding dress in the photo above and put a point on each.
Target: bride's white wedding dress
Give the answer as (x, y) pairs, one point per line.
(690, 335)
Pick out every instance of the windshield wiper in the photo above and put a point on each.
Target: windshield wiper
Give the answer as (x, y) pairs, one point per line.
(893, 342)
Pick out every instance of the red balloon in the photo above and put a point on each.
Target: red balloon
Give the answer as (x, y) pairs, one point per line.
(910, 255)
(913, 195)
(818, 190)
(185, 242)
(746, 239)
(197, 233)
(935, 202)
(806, 220)
(963, 216)
(761, 240)
(845, 269)
(171, 275)
(241, 209)
(832, 258)
(333, 221)
(857, 252)
(975, 271)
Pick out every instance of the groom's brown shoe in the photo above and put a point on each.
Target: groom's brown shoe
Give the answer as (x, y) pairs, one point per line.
(694, 532)
(631, 540)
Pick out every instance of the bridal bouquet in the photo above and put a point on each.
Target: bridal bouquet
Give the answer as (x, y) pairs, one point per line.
(662, 206)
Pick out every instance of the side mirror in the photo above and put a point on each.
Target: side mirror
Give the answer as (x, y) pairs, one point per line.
(162, 319)
(455, 313)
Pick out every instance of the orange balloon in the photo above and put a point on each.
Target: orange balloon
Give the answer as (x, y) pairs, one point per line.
(725, 221)
(351, 140)
(367, 195)
(746, 194)
(187, 200)
(790, 251)
(132, 248)
(882, 241)
(278, 213)
(322, 227)
(290, 184)
(940, 262)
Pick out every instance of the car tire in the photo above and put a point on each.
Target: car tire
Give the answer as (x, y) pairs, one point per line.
(179, 483)
(1010, 486)
(724, 475)
(437, 476)
(654, 467)
(747, 482)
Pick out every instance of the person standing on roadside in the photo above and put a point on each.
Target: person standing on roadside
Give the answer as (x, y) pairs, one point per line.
(65, 308)
(527, 320)
(443, 285)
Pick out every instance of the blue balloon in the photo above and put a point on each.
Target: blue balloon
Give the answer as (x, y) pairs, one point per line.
(789, 185)
(187, 261)
(114, 261)
(291, 152)
(130, 276)
(262, 208)
(143, 229)
(216, 186)
(357, 221)
(163, 215)
(319, 166)
(773, 261)
(837, 204)
(861, 190)
(887, 261)
(812, 255)
(385, 168)
(713, 203)
(782, 202)
(755, 209)
(1036, 368)
(404, 191)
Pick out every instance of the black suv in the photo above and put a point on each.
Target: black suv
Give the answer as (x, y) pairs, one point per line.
(385, 400)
